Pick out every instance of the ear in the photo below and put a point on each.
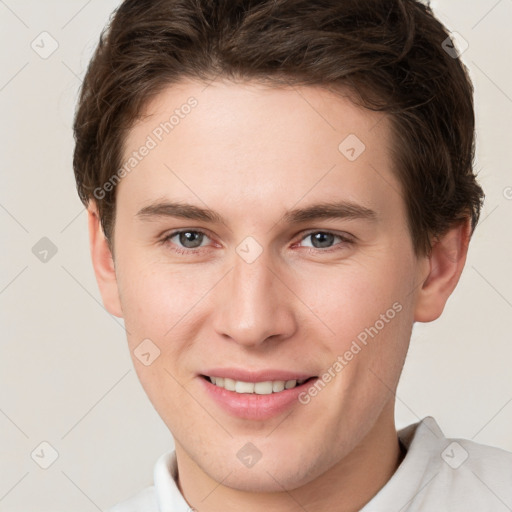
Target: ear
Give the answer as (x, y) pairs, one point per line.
(446, 261)
(103, 263)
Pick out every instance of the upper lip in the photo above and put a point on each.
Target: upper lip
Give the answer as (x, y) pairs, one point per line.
(256, 376)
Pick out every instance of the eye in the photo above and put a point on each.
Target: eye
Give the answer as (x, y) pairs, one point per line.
(190, 241)
(186, 240)
(325, 239)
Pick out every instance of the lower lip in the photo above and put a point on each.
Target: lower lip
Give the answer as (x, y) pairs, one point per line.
(252, 406)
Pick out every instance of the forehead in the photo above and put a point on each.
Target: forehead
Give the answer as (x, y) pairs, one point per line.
(255, 110)
(244, 142)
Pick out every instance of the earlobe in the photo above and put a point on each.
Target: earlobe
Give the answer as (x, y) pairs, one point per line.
(447, 261)
(103, 263)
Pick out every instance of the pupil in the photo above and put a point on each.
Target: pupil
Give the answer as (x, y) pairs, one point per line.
(188, 237)
(324, 239)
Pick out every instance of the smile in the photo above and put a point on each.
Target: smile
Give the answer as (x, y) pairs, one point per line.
(255, 396)
(259, 388)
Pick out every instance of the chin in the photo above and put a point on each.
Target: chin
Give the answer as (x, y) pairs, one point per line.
(263, 482)
(277, 474)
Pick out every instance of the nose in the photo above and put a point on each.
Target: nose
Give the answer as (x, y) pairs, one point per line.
(254, 304)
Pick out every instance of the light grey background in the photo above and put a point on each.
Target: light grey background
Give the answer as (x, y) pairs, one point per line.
(66, 377)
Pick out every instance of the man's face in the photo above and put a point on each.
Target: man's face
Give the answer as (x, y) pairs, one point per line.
(265, 290)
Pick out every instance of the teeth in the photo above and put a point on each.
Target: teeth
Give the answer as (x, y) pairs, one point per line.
(258, 388)
(244, 387)
(263, 388)
(290, 384)
(277, 386)
(229, 384)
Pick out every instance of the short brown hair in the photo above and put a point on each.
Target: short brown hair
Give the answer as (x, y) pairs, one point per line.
(388, 53)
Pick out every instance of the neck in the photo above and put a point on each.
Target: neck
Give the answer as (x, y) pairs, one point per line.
(345, 487)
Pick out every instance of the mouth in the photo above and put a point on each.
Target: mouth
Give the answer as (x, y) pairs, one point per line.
(267, 387)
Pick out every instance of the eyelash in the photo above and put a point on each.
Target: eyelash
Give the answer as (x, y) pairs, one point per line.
(345, 241)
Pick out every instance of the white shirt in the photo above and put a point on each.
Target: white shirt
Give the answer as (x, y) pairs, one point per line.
(436, 475)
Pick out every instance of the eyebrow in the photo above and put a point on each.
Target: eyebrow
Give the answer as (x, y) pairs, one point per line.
(325, 210)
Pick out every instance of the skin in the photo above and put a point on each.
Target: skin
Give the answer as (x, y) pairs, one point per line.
(296, 307)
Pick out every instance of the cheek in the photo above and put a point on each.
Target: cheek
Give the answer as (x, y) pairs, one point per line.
(157, 299)
(366, 316)
(349, 298)
(161, 300)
